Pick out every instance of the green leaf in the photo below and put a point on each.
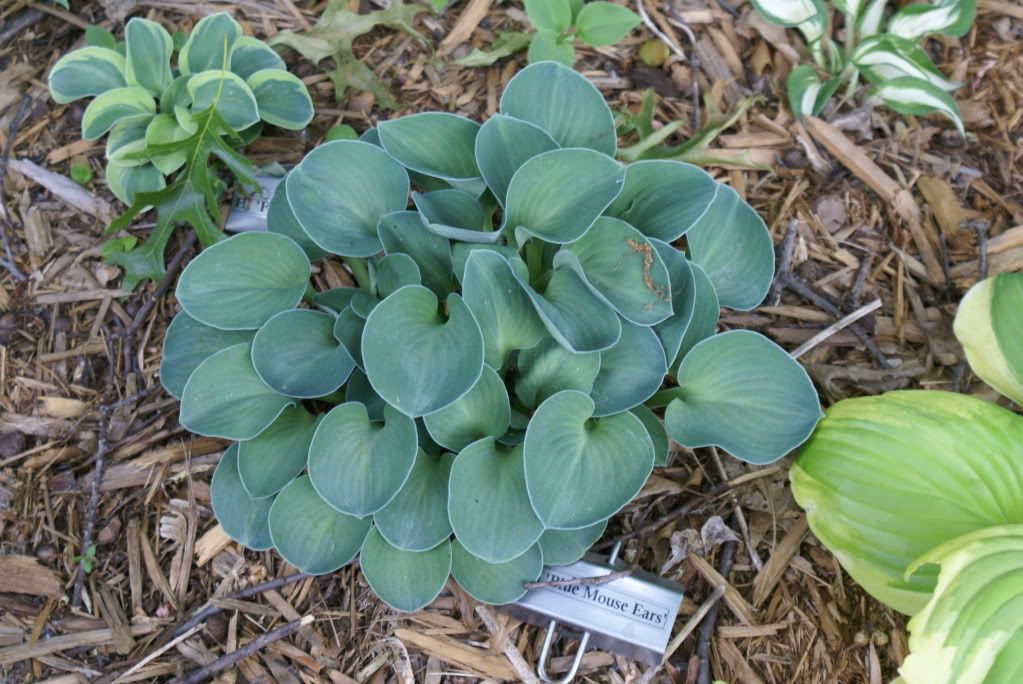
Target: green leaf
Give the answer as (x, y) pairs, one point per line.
(113, 106)
(224, 397)
(242, 518)
(564, 547)
(869, 22)
(86, 72)
(787, 12)
(296, 354)
(503, 145)
(495, 583)
(80, 173)
(706, 311)
(416, 519)
(415, 359)
(731, 243)
(948, 17)
(348, 329)
(97, 36)
(438, 144)
(683, 299)
(454, 214)
(602, 23)
(558, 195)
(663, 199)
(563, 103)
(402, 233)
(743, 393)
(551, 45)
(404, 580)
(282, 98)
(803, 87)
(886, 479)
(340, 132)
(358, 466)
(251, 55)
(580, 469)
(232, 97)
(630, 371)
(281, 219)
(548, 368)
(506, 44)
(164, 129)
(988, 325)
(186, 344)
(394, 272)
(483, 412)
(148, 49)
(487, 492)
(277, 455)
(656, 431)
(210, 44)
(342, 218)
(311, 535)
(127, 182)
(917, 97)
(549, 15)
(240, 283)
(884, 57)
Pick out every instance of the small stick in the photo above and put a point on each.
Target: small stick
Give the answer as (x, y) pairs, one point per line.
(157, 653)
(12, 132)
(980, 228)
(507, 646)
(90, 511)
(678, 22)
(580, 581)
(707, 628)
(740, 517)
(861, 280)
(691, 624)
(835, 327)
(785, 250)
(678, 52)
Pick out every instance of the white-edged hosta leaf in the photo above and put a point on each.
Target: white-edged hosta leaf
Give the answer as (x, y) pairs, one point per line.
(296, 353)
(87, 72)
(853, 7)
(547, 368)
(438, 144)
(405, 580)
(235, 101)
(484, 411)
(869, 23)
(787, 12)
(282, 98)
(210, 44)
(602, 23)
(495, 583)
(276, 456)
(164, 129)
(630, 371)
(658, 434)
(281, 219)
(186, 344)
(416, 519)
(663, 199)
(814, 28)
(683, 299)
(460, 252)
(706, 311)
(884, 57)
(113, 106)
(359, 390)
(348, 329)
(148, 49)
(948, 17)
(394, 272)
(127, 139)
(454, 215)
(243, 519)
(916, 97)
(564, 547)
(988, 324)
(803, 86)
(504, 144)
(549, 15)
(251, 55)
(402, 232)
(126, 181)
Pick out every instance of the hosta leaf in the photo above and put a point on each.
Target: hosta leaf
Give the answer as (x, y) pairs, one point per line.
(563, 103)
(663, 199)
(731, 243)
(342, 217)
(886, 479)
(787, 12)
(655, 429)
(803, 87)
(281, 219)
(276, 456)
(435, 143)
(706, 312)
(415, 359)
(394, 272)
(581, 470)
(885, 57)
(148, 48)
(454, 214)
(484, 411)
(128, 181)
(416, 519)
(869, 23)
(948, 17)
(743, 393)
(251, 55)
(113, 106)
(504, 144)
(551, 15)
(243, 519)
(311, 535)
(348, 329)
(487, 492)
(296, 354)
(359, 390)
(404, 580)
(557, 196)
(358, 466)
(210, 44)
(163, 129)
(547, 368)
(602, 23)
(970, 632)
(238, 284)
(186, 344)
(564, 547)
(233, 98)
(683, 299)
(989, 325)
(127, 139)
(630, 371)
(402, 233)
(282, 98)
(86, 72)
(336, 299)
(495, 583)
(224, 397)
(623, 269)
(553, 46)
(460, 252)
(917, 97)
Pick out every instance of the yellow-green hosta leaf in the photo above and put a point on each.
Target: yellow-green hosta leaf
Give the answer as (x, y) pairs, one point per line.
(276, 456)
(948, 17)
(416, 519)
(126, 181)
(251, 55)
(243, 519)
(886, 57)
(564, 547)
(282, 98)
(86, 72)
(438, 144)
(186, 344)
(164, 129)
(295, 352)
(917, 97)
(971, 631)
(504, 144)
(210, 44)
(886, 479)
(113, 106)
(602, 23)
(495, 583)
(484, 411)
(233, 98)
(663, 199)
(148, 49)
(989, 325)
(405, 580)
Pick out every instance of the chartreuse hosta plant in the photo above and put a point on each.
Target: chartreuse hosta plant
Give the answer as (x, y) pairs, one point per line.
(481, 403)
(920, 496)
(886, 53)
(163, 120)
(559, 23)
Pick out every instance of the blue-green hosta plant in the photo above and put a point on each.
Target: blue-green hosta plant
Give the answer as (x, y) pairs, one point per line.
(166, 121)
(886, 53)
(919, 494)
(481, 402)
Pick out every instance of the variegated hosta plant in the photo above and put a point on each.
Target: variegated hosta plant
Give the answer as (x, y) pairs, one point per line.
(886, 53)
(919, 494)
(481, 402)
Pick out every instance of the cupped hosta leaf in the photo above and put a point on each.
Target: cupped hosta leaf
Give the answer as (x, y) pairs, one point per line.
(916, 97)
(224, 397)
(460, 252)
(504, 144)
(275, 457)
(547, 368)
(603, 23)
(86, 72)
(337, 299)
(163, 129)
(394, 272)
(148, 49)
(949, 17)
(487, 492)
(113, 106)
(742, 392)
(562, 102)
(358, 466)
(886, 479)
(127, 139)
(787, 12)
(238, 284)
(564, 547)
(683, 299)
(655, 429)
(296, 354)
(416, 519)
(402, 233)
(127, 181)
(282, 98)
(622, 268)
(484, 411)
(572, 314)
(664, 199)
(251, 55)
(581, 470)
(454, 214)
(415, 359)
(348, 329)
(188, 343)
(495, 583)
(706, 312)
(210, 43)
(731, 243)
(438, 144)
(886, 56)
(243, 519)
(502, 308)
(989, 325)
(404, 580)
(359, 390)
(233, 98)
(281, 219)
(971, 631)
(630, 371)
(342, 217)
(557, 195)
(311, 535)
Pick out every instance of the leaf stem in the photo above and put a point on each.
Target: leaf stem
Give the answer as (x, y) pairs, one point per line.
(534, 260)
(664, 397)
(359, 271)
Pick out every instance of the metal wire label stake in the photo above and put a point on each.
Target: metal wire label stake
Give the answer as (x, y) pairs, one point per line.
(632, 615)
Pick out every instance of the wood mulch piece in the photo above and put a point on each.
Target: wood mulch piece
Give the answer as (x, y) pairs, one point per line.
(863, 206)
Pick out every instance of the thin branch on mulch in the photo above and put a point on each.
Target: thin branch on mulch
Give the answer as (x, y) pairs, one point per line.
(980, 228)
(12, 132)
(785, 250)
(678, 22)
(18, 24)
(709, 622)
(581, 581)
(162, 286)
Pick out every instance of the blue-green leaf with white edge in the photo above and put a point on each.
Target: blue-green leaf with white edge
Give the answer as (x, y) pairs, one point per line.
(630, 371)
(455, 215)
(402, 233)
(416, 519)
(663, 199)
(251, 55)
(87, 72)
(113, 106)
(127, 181)
(657, 432)
(186, 344)
(148, 49)
(683, 299)
(282, 99)
(484, 411)
(706, 311)
(547, 368)
(437, 144)
(504, 144)
(210, 44)
(276, 456)
(281, 219)
(243, 519)
(234, 100)
(404, 580)
(495, 583)
(296, 353)
(564, 547)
